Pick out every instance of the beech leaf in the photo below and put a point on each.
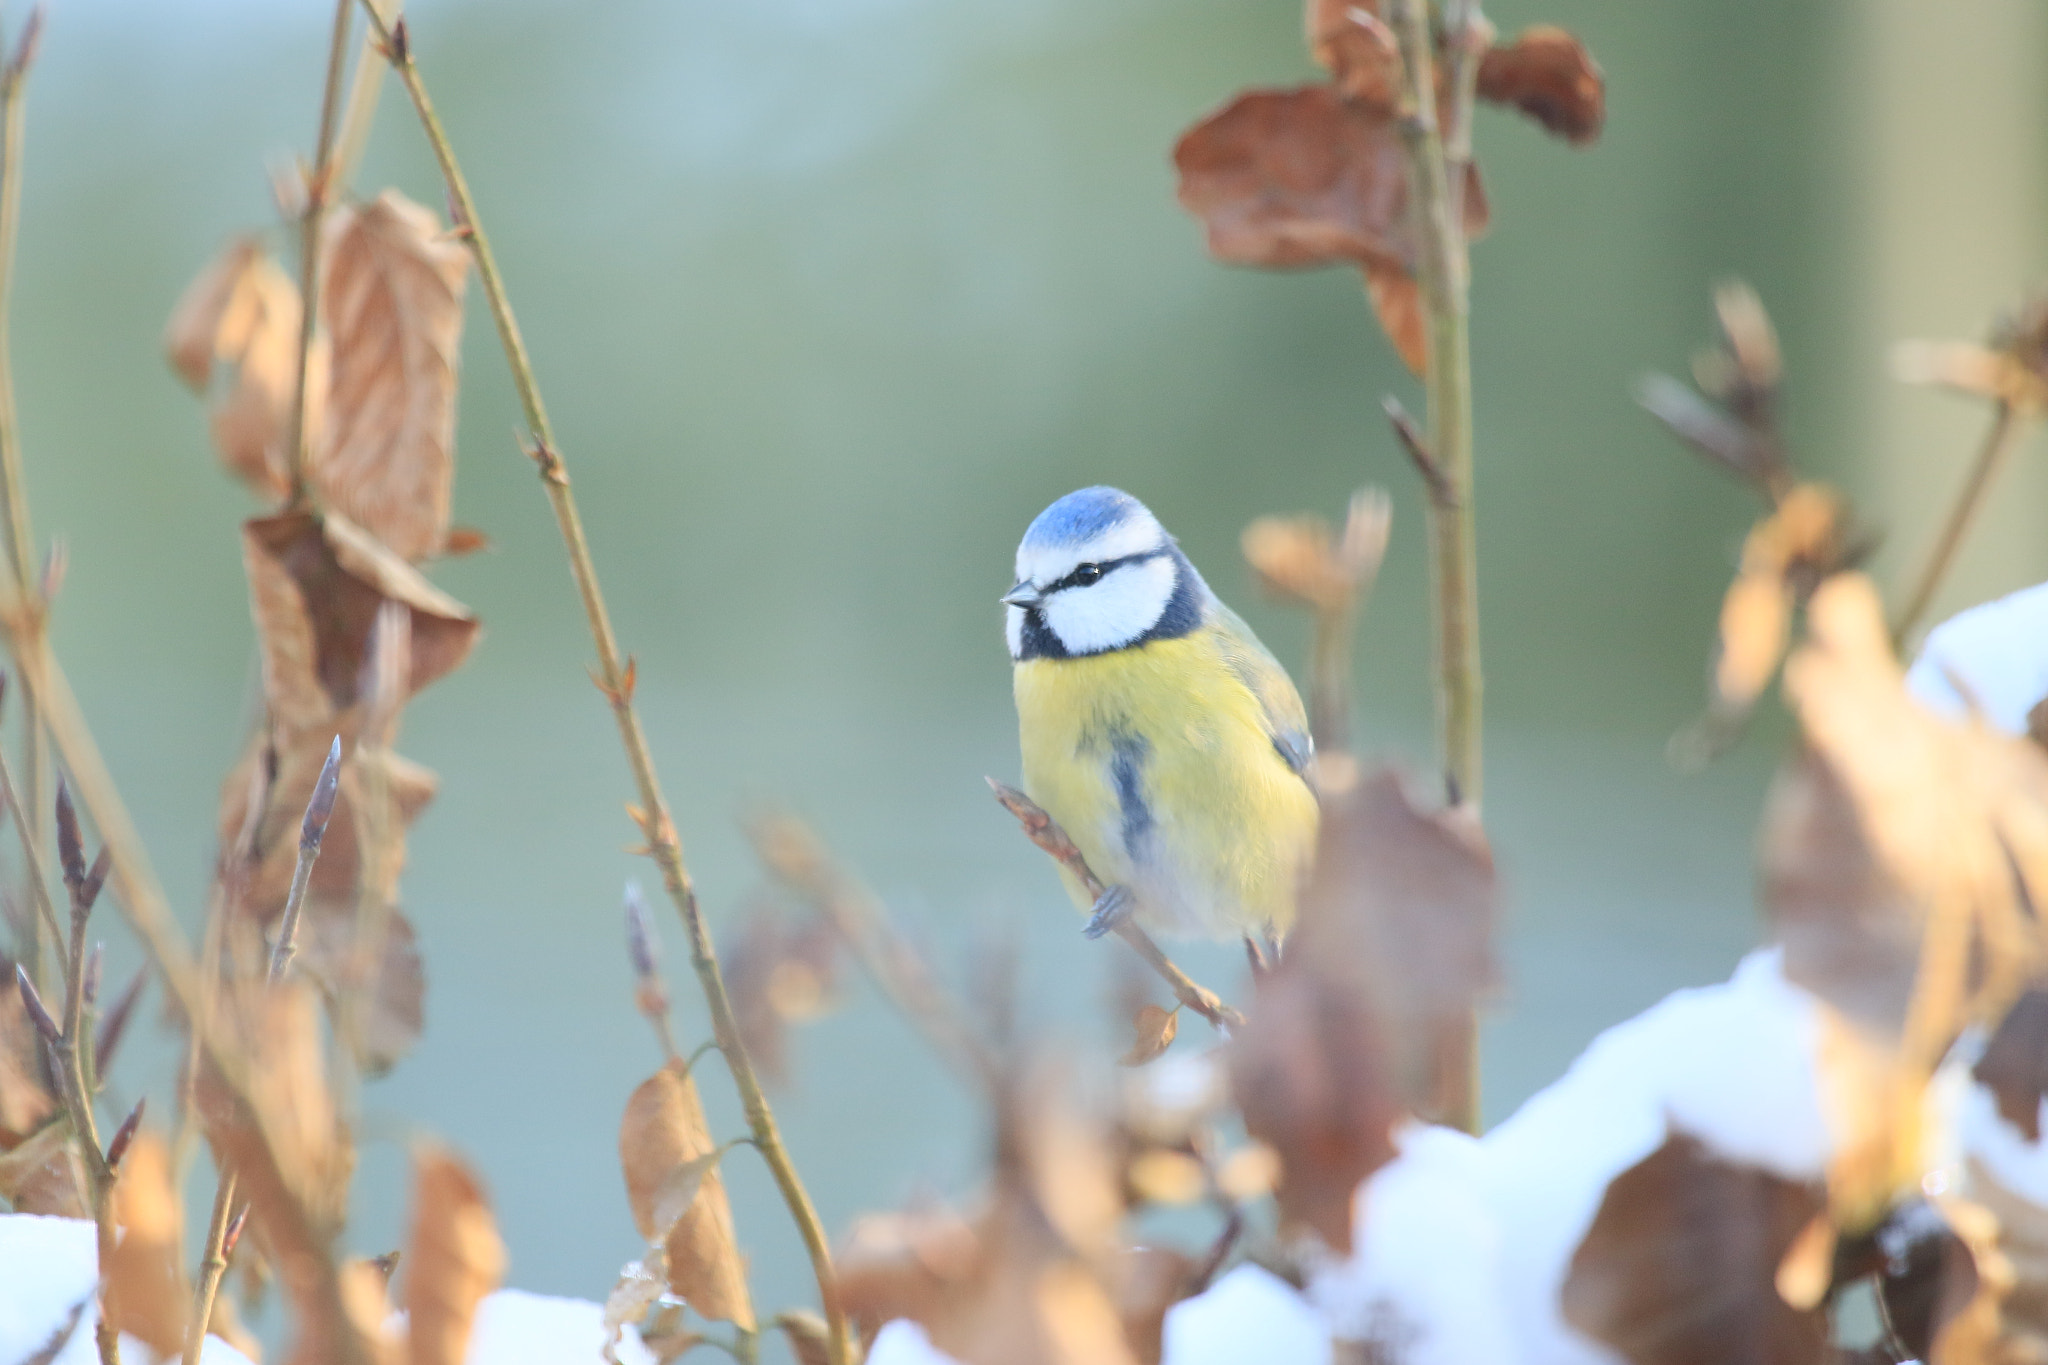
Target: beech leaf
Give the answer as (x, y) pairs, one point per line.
(452, 1260)
(1303, 177)
(1353, 43)
(1153, 1030)
(1397, 303)
(146, 1292)
(1546, 73)
(1680, 1265)
(392, 294)
(664, 1145)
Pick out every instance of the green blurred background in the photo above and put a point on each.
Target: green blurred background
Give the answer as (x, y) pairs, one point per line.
(828, 298)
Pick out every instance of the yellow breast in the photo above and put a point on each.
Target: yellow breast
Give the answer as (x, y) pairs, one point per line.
(1158, 761)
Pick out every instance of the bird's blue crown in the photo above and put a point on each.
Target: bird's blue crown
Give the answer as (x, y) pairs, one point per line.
(1081, 516)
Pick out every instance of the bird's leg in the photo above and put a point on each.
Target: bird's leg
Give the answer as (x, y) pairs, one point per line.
(1112, 908)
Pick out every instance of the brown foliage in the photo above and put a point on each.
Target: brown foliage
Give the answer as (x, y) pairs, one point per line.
(1153, 1031)
(2014, 1066)
(780, 975)
(1902, 854)
(25, 1104)
(1351, 41)
(1680, 1266)
(1352, 1030)
(43, 1175)
(244, 313)
(392, 294)
(315, 586)
(1546, 73)
(1304, 177)
(678, 1199)
(1300, 559)
(1783, 559)
(452, 1259)
(146, 1292)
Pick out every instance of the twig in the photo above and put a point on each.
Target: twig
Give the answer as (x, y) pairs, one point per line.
(794, 855)
(1437, 158)
(1416, 445)
(1044, 831)
(318, 192)
(614, 677)
(213, 1261)
(76, 1050)
(2007, 426)
(650, 992)
(14, 518)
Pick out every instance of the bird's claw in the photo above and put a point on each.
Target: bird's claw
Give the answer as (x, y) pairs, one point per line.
(1113, 908)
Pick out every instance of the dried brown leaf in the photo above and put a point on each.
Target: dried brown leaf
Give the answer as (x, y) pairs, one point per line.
(1680, 1264)
(1397, 303)
(25, 1103)
(662, 1133)
(905, 1265)
(1360, 1021)
(146, 1292)
(1153, 1031)
(1148, 1281)
(1302, 177)
(316, 584)
(392, 1012)
(1353, 43)
(1160, 1175)
(243, 312)
(1547, 74)
(2014, 1065)
(392, 294)
(42, 1174)
(1902, 854)
(452, 1260)
(1783, 557)
(1988, 1300)
(808, 1336)
(1297, 558)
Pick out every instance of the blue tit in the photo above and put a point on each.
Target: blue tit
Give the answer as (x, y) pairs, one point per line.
(1164, 738)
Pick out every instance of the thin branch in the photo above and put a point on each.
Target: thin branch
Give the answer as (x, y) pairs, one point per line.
(1416, 445)
(614, 679)
(319, 191)
(2007, 426)
(1437, 161)
(32, 862)
(1044, 831)
(14, 518)
(796, 856)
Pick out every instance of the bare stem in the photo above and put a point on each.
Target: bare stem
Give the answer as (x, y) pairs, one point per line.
(614, 677)
(2007, 426)
(14, 518)
(1044, 831)
(1437, 161)
(319, 191)
(32, 862)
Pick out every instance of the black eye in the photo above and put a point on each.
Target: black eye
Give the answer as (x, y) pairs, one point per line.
(1087, 574)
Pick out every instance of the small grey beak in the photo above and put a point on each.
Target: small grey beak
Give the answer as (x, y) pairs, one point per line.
(1023, 595)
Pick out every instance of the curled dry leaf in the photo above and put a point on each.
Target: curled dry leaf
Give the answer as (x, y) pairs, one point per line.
(1681, 1263)
(316, 584)
(1297, 557)
(1359, 1022)
(1547, 74)
(1902, 854)
(1303, 177)
(452, 1259)
(905, 1265)
(669, 1159)
(42, 1174)
(1784, 556)
(244, 312)
(2014, 1065)
(392, 293)
(1153, 1031)
(147, 1296)
(393, 1012)
(25, 1103)
(1351, 41)
(1397, 303)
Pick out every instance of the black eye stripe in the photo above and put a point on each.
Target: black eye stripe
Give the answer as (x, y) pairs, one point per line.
(1080, 578)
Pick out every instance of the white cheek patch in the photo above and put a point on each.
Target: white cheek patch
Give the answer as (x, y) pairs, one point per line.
(1043, 564)
(1013, 630)
(1113, 612)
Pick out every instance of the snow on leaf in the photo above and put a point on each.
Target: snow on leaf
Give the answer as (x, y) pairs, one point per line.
(678, 1199)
